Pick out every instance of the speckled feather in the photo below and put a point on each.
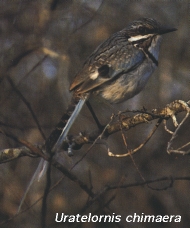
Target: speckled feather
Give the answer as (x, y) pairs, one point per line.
(117, 53)
(120, 55)
(117, 70)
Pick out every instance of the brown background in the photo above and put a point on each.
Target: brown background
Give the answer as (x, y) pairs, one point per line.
(43, 44)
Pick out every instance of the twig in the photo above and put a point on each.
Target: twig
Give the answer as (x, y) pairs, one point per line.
(109, 188)
(130, 152)
(174, 135)
(27, 105)
(31, 147)
(56, 164)
(10, 154)
(129, 122)
(89, 20)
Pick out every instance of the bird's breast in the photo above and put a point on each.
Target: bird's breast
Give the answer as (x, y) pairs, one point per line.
(129, 84)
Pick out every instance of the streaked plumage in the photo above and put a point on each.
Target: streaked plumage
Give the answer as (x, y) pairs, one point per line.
(120, 67)
(117, 70)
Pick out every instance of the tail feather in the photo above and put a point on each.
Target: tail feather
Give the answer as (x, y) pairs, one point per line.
(69, 124)
(39, 173)
(56, 138)
(42, 168)
(58, 135)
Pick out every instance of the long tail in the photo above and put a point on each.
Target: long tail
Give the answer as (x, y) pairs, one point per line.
(58, 135)
(40, 171)
(56, 138)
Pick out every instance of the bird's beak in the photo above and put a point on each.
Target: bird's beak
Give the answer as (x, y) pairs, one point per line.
(164, 30)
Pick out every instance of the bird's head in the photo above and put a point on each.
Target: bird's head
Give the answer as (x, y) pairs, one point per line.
(145, 28)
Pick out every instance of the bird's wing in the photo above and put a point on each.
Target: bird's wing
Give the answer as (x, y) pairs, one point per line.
(113, 58)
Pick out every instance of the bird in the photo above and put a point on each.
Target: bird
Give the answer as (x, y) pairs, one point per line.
(117, 70)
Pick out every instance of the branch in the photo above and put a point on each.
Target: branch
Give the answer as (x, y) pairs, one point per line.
(148, 182)
(102, 192)
(38, 152)
(170, 111)
(174, 134)
(167, 112)
(27, 105)
(126, 123)
(10, 154)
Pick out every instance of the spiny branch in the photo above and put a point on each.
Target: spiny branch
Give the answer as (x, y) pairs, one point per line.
(27, 105)
(22, 151)
(125, 123)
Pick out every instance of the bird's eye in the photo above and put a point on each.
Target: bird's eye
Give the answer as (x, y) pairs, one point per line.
(143, 30)
(104, 71)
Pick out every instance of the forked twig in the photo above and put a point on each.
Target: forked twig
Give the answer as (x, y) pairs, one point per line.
(174, 134)
(130, 152)
(27, 105)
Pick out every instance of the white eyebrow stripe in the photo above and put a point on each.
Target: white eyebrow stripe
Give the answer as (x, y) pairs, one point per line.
(139, 37)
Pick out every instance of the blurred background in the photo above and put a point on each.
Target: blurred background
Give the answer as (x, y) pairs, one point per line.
(43, 44)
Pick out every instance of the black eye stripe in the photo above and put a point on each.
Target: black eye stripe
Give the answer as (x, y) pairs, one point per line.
(143, 30)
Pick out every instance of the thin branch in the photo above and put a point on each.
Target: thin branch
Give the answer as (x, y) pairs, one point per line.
(171, 179)
(34, 67)
(131, 156)
(90, 19)
(55, 163)
(174, 135)
(93, 143)
(27, 105)
(37, 151)
(127, 123)
(10, 154)
(110, 188)
(165, 113)
(130, 152)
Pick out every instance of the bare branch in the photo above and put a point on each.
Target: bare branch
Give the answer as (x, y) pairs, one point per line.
(37, 151)
(27, 105)
(126, 123)
(171, 180)
(10, 154)
(130, 152)
(174, 135)
(56, 164)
